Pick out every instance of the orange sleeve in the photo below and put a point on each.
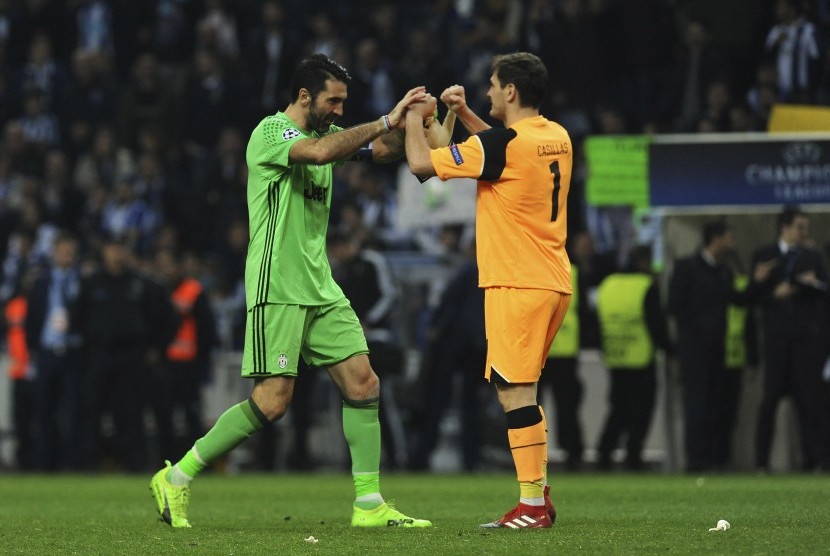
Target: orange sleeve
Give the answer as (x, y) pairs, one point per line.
(462, 160)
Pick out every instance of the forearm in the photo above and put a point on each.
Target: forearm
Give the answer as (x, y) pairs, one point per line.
(389, 147)
(337, 146)
(417, 149)
(471, 122)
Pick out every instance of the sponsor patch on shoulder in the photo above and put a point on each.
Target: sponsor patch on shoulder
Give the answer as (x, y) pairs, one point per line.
(290, 133)
(456, 155)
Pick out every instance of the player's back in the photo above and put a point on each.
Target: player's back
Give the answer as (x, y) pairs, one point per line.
(522, 214)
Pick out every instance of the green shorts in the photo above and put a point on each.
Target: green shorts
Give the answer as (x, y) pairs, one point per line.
(276, 335)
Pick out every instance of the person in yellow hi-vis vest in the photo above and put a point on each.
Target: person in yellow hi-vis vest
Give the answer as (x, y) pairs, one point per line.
(560, 375)
(632, 326)
(741, 351)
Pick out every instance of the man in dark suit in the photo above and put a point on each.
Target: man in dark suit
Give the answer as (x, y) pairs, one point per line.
(54, 342)
(700, 292)
(794, 331)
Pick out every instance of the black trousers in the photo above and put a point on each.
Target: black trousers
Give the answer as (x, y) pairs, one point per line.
(178, 388)
(703, 377)
(560, 375)
(116, 386)
(58, 391)
(447, 358)
(792, 367)
(632, 399)
(23, 422)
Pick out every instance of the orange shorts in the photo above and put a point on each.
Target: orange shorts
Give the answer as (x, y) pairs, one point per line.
(520, 324)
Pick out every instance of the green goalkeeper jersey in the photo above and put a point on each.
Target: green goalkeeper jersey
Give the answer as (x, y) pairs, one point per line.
(288, 212)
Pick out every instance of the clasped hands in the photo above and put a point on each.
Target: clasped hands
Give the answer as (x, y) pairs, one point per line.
(418, 101)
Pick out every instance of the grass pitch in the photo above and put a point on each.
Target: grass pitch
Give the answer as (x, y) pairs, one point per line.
(273, 514)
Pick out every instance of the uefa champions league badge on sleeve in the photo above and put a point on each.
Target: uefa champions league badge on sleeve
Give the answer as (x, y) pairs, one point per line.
(290, 133)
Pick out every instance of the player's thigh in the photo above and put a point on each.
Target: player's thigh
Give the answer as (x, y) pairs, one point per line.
(273, 339)
(334, 334)
(518, 325)
(561, 309)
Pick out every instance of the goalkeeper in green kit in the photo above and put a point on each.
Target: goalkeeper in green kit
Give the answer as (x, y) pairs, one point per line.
(294, 306)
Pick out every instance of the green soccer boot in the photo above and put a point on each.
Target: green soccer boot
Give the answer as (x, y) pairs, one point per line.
(385, 516)
(171, 500)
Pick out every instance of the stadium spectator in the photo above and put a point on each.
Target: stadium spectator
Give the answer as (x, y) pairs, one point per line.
(42, 72)
(212, 102)
(41, 129)
(54, 340)
(91, 99)
(126, 323)
(104, 163)
(793, 42)
(62, 202)
(270, 57)
(524, 297)
(149, 100)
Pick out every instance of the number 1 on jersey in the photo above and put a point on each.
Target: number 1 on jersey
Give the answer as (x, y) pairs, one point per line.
(557, 178)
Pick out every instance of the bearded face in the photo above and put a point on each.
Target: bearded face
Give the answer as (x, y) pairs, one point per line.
(327, 106)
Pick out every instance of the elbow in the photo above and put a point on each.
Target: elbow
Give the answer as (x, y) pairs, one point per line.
(421, 168)
(321, 156)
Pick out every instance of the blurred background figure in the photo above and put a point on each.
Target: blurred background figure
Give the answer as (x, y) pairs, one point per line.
(127, 323)
(366, 279)
(561, 375)
(701, 291)
(55, 341)
(452, 368)
(185, 366)
(632, 326)
(22, 373)
(792, 316)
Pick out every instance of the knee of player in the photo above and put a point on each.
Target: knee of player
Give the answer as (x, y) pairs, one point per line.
(274, 409)
(362, 386)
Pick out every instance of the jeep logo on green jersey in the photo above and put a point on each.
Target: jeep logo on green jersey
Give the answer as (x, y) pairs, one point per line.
(315, 192)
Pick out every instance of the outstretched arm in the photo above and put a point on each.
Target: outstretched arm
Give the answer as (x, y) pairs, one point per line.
(417, 148)
(343, 144)
(456, 101)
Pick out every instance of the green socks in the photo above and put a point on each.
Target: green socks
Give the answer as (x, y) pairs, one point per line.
(362, 430)
(234, 426)
(360, 426)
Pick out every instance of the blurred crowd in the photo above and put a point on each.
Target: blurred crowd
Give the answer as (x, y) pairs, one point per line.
(124, 127)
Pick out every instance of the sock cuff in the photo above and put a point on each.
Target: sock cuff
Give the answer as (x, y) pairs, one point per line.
(371, 403)
(524, 417)
(254, 414)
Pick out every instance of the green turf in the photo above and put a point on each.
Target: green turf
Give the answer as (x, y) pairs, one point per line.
(272, 514)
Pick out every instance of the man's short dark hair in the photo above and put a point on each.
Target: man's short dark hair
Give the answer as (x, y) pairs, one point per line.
(527, 73)
(312, 74)
(713, 231)
(788, 216)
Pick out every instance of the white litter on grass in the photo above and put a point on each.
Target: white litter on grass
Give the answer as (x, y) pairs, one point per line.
(312, 540)
(722, 525)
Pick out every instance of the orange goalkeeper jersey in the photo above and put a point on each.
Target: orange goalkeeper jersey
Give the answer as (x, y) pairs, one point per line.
(523, 173)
